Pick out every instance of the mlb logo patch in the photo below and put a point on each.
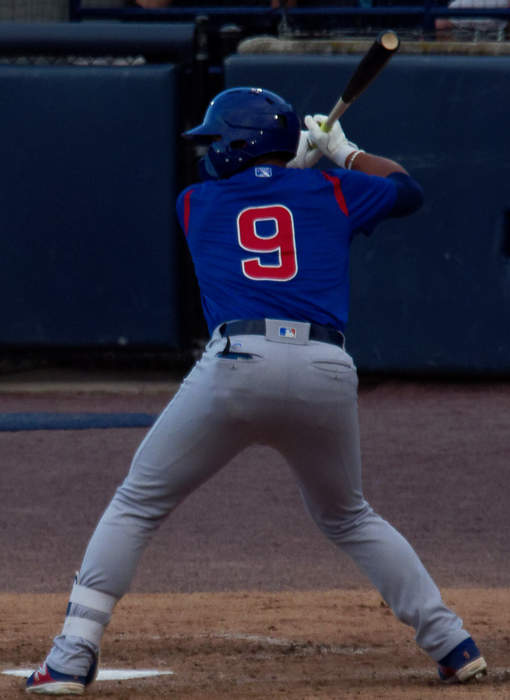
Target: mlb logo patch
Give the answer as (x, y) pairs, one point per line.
(263, 171)
(286, 332)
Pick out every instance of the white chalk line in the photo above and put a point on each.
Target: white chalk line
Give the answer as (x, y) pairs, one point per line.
(107, 674)
(290, 644)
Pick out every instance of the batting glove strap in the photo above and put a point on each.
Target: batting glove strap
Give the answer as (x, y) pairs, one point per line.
(333, 143)
(355, 154)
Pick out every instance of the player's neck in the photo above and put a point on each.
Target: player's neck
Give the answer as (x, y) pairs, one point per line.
(270, 161)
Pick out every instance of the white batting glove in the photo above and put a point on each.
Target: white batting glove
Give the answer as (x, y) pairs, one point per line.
(306, 157)
(334, 143)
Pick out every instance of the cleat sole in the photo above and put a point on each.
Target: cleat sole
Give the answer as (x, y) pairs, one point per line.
(475, 670)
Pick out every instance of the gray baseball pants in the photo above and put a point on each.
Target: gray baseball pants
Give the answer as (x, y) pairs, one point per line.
(300, 399)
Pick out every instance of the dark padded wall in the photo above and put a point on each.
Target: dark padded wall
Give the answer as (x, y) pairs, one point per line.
(87, 191)
(430, 292)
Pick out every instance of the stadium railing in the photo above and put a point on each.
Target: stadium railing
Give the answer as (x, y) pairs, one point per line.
(324, 16)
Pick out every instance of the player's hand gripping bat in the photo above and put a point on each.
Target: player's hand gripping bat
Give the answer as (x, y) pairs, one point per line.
(368, 68)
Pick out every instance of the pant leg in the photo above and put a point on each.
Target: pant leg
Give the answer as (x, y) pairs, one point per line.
(192, 439)
(185, 447)
(326, 459)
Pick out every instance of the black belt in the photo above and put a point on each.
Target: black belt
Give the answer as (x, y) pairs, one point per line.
(324, 334)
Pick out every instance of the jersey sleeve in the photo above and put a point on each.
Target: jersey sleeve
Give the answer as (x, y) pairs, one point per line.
(409, 195)
(369, 199)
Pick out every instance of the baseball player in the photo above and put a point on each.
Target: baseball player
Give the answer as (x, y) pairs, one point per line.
(269, 236)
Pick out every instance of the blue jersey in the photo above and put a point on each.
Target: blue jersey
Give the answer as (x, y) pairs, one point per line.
(273, 242)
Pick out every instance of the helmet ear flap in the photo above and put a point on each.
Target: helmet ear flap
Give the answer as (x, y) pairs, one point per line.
(206, 170)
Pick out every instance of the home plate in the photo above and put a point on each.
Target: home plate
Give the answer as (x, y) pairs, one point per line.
(106, 674)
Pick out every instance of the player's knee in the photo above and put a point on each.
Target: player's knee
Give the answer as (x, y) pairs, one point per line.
(144, 503)
(339, 524)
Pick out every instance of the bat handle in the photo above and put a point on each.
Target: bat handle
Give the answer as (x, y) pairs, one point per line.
(335, 114)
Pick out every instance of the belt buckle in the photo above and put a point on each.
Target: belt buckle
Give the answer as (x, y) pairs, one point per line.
(283, 331)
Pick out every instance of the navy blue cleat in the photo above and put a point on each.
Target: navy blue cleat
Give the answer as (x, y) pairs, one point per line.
(462, 664)
(47, 681)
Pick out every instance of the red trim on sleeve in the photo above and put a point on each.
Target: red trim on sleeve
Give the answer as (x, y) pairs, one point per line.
(186, 211)
(337, 189)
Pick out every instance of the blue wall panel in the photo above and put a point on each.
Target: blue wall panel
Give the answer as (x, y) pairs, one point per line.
(87, 190)
(430, 292)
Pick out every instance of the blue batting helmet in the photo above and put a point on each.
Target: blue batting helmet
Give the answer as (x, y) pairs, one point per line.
(242, 124)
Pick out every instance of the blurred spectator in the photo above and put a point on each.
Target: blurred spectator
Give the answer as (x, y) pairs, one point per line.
(106, 4)
(34, 10)
(155, 4)
(446, 26)
(58, 10)
(276, 4)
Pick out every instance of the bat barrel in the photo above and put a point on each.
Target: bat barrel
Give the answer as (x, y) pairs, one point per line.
(371, 64)
(369, 67)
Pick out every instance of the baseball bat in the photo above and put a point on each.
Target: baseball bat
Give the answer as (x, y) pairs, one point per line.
(367, 69)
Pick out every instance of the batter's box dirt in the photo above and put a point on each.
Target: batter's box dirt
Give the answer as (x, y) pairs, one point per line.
(299, 645)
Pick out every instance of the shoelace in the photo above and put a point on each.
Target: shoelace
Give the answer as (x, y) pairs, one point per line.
(40, 671)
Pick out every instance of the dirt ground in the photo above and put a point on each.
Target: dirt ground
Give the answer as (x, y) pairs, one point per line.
(238, 594)
(329, 644)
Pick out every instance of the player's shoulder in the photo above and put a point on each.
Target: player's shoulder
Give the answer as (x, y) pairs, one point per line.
(328, 173)
(342, 177)
(321, 175)
(196, 189)
(185, 191)
(356, 180)
(189, 188)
